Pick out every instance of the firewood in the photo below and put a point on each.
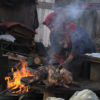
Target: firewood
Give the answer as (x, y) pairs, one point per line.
(6, 90)
(66, 75)
(39, 75)
(51, 76)
(37, 60)
(21, 97)
(58, 77)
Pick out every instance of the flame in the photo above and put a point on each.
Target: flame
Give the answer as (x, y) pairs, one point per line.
(15, 82)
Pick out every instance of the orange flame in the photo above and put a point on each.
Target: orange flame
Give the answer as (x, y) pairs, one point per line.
(17, 76)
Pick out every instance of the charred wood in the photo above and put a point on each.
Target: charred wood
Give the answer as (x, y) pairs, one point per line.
(50, 76)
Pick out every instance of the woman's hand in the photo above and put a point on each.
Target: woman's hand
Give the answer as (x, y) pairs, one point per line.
(67, 61)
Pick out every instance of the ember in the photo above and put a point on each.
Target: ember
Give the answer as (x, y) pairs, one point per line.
(17, 76)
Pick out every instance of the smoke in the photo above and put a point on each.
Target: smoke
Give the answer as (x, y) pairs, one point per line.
(67, 13)
(72, 11)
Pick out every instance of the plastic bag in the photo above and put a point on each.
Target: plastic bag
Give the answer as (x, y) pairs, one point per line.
(54, 98)
(85, 94)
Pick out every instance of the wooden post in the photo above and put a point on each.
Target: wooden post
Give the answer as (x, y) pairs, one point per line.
(47, 94)
(95, 72)
(94, 68)
(3, 71)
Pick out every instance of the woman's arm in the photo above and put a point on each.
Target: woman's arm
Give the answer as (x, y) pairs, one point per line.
(67, 60)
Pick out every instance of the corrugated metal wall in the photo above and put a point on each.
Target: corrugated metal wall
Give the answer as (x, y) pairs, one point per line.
(44, 7)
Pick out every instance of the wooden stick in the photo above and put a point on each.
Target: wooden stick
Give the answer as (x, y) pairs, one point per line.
(47, 94)
(6, 90)
(21, 97)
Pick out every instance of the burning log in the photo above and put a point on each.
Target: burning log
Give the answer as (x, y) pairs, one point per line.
(15, 80)
(50, 76)
(40, 74)
(59, 77)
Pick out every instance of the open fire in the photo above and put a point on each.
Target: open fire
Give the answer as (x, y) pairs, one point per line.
(15, 81)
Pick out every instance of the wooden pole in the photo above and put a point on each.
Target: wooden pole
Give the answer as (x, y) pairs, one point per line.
(47, 94)
(6, 90)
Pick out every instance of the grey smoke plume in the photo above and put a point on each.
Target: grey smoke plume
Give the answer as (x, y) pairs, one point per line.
(74, 11)
(71, 12)
(67, 13)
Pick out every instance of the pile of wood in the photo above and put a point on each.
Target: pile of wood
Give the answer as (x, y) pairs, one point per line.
(50, 76)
